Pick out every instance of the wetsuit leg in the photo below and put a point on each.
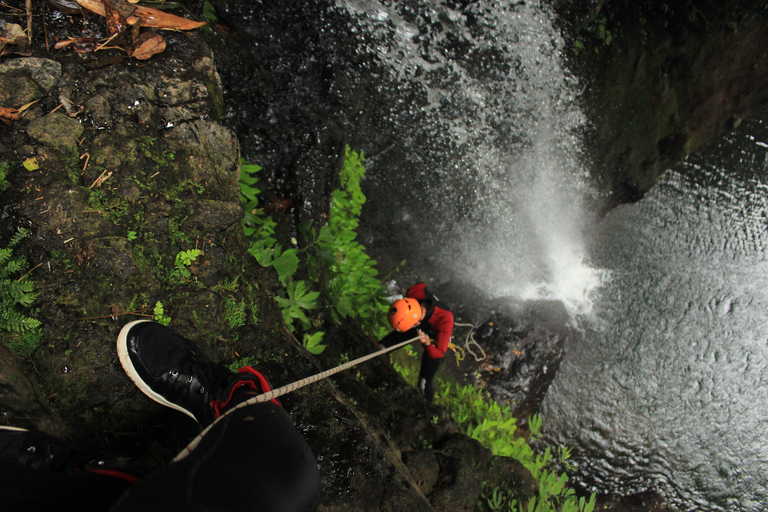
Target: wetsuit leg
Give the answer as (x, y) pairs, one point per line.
(427, 374)
(251, 459)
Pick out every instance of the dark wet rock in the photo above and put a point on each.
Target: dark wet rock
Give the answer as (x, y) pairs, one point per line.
(213, 215)
(424, 468)
(458, 486)
(208, 154)
(669, 79)
(20, 402)
(56, 130)
(525, 348)
(63, 214)
(508, 473)
(468, 449)
(109, 257)
(23, 80)
(108, 152)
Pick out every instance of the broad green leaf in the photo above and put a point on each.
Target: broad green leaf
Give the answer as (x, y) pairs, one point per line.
(286, 264)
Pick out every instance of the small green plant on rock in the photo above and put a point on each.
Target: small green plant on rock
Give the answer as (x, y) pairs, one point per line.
(159, 313)
(251, 361)
(15, 292)
(234, 313)
(185, 259)
(5, 169)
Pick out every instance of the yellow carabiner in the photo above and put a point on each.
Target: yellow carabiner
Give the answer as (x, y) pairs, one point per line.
(460, 355)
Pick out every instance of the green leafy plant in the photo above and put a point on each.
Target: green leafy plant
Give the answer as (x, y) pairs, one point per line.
(313, 342)
(299, 298)
(185, 259)
(15, 292)
(597, 32)
(482, 418)
(209, 13)
(24, 344)
(499, 500)
(234, 313)
(352, 279)
(260, 229)
(159, 313)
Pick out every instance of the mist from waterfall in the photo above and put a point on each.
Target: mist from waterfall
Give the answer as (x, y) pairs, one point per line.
(504, 211)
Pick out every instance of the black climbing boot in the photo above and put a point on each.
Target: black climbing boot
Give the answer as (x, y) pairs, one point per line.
(166, 368)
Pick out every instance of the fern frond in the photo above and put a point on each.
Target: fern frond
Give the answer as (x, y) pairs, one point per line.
(20, 235)
(10, 320)
(5, 255)
(12, 267)
(14, 292)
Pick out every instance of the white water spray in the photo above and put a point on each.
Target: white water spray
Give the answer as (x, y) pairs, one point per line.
(495, 85)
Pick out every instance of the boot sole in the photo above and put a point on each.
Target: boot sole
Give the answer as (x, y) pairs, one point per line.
(130, 370)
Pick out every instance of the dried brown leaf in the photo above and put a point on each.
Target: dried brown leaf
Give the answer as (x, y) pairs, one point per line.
(94, 6)
(146, 47)
(156, 18)
(8, 114)
(149, 17)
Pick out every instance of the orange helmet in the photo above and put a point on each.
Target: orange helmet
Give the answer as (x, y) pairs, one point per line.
(404, 314)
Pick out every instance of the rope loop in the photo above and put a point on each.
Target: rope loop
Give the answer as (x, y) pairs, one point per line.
(470, 340)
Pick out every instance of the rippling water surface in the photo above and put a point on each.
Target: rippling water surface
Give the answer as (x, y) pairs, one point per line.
(668, 388)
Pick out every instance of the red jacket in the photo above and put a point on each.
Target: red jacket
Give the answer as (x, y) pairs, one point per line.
(438, 321)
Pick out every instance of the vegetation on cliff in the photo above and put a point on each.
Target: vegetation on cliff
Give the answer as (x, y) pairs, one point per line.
(340, 269)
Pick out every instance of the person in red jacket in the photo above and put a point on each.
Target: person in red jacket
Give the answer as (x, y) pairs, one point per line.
(421, 314)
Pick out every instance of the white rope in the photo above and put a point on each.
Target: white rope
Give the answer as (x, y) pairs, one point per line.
(293, 386)
(470, 339)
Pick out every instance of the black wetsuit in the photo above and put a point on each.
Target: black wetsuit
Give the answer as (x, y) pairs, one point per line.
(251, 459)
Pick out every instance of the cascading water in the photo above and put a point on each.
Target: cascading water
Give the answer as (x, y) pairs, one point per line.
(667, 389)
(506, 213)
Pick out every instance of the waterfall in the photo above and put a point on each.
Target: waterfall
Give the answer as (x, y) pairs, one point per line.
(503, 208)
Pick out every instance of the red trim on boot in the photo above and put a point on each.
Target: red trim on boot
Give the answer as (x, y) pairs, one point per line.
(125, 477)
(219, 407)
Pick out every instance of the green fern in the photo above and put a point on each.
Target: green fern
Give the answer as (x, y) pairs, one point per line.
(15, 292)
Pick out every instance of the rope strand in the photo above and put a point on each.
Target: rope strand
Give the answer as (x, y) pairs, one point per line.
(293, 386)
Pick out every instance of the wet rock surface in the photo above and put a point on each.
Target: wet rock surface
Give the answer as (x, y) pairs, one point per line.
(525, 355)
(661, 79)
